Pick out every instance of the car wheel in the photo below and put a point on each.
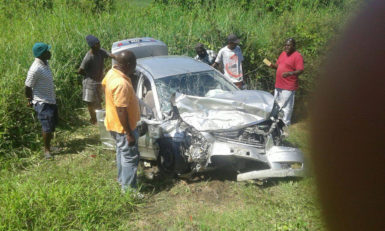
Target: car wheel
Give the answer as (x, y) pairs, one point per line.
(166, 162)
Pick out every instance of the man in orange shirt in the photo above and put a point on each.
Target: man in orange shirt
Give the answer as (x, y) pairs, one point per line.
(122, 114)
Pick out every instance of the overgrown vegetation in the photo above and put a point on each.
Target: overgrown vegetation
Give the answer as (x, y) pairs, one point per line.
(262, 25)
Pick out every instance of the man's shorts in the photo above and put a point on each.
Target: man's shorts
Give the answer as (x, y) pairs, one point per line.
(47, 115)
(92, 91)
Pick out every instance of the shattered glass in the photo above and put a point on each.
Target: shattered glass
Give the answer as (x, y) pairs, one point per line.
(202, 84)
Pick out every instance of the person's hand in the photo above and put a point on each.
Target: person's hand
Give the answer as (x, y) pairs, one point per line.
(286, 74)
(131, 139)
(29, 104)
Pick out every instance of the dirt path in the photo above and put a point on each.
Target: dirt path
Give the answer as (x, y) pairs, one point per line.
(184, 200)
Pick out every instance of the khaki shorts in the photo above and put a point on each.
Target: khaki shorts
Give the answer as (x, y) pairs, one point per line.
(92, 91)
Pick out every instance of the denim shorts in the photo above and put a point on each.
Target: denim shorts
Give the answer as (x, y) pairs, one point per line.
(47, 115)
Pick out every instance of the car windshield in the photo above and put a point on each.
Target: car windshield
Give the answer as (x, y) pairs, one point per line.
(203, 84)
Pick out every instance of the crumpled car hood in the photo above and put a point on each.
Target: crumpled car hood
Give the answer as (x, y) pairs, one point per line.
(226, 110)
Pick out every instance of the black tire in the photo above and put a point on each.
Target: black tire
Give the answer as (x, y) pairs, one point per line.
(165, 163)
(171, 161)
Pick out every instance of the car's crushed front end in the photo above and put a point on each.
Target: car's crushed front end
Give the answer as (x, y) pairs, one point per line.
(237, 129)
(195, 119)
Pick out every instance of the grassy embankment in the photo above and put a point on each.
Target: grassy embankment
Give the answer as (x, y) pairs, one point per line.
(79, 192)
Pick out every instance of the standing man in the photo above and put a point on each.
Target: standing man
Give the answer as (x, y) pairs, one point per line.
(92, 68)
(289, 66)
(40, 93)
(231, 58)
(203, 55)
(122, 114)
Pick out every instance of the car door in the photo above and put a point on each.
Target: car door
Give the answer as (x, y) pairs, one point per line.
(149, 125)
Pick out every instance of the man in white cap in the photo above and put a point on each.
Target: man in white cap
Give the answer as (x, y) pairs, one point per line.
(231, 58)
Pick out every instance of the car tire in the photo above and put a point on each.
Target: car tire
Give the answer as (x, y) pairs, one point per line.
(166, 168)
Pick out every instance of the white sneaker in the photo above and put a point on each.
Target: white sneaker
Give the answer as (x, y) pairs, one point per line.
(138, 196)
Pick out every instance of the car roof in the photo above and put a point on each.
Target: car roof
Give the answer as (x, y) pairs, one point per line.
(163, 66)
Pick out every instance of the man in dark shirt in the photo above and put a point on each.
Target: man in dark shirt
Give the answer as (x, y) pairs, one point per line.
(92, 68)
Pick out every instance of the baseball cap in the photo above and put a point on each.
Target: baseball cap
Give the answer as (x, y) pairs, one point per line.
(92, 40)
(39, 48)
(232, 38)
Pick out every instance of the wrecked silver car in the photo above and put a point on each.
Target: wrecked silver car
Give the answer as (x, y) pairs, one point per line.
(194, 120)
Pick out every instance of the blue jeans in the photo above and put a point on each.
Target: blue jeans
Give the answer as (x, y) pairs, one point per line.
(127, 159)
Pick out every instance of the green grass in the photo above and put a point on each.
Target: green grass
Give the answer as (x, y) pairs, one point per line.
(78, 191)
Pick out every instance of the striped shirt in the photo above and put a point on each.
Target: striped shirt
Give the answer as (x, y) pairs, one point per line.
(209, 58)
(40, 79)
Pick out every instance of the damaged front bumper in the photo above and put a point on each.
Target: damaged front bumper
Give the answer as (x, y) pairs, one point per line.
(279, 161)
(283, 162)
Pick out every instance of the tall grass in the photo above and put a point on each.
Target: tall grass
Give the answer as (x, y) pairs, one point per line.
(262, 25)
(79, 194)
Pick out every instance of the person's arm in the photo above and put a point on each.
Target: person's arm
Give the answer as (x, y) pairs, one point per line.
(273, 65)
(119, 96)
(107, 54)
(29, 84)
(240, 58)
(124, 120)
(218, 60)
(215, 65)
(83, 65)
(290, 73)
(81, 71)
(28, 95)
(298, 68)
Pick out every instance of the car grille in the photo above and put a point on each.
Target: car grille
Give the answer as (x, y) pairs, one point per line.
(235, 137)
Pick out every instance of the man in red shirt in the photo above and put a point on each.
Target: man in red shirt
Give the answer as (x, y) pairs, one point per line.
(289, 66)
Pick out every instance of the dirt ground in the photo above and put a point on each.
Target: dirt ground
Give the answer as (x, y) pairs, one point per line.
(184, 198)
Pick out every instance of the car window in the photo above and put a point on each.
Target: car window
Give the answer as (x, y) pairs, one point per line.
(203, 84)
